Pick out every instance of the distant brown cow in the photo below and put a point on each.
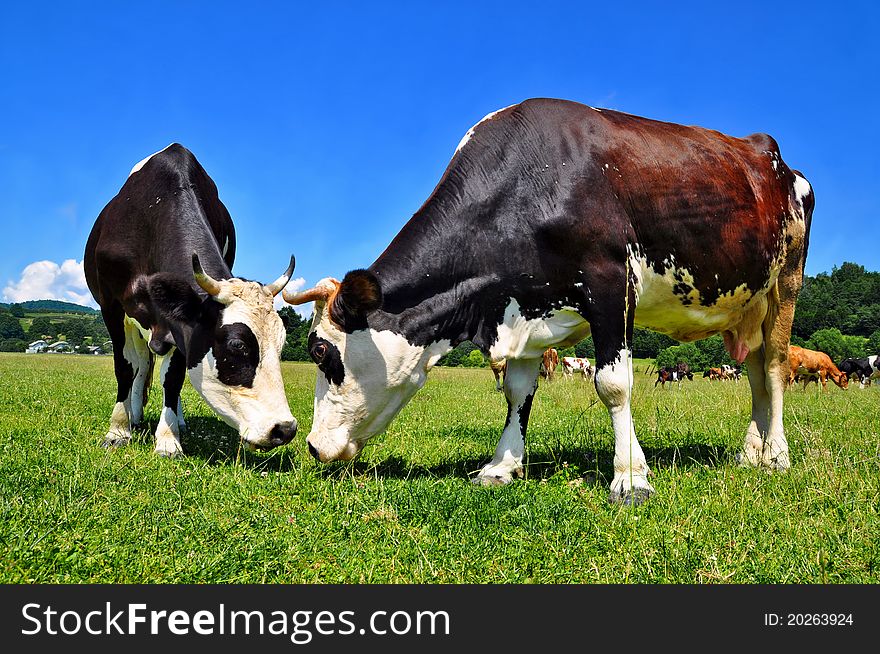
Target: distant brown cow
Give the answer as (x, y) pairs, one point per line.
(810, 365)
(499, 369)
(548, 363)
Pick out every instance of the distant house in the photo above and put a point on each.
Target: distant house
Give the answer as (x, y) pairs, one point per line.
(36, 347)
(60, 346)
(93, 349)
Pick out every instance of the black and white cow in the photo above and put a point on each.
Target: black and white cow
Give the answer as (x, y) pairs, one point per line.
(158, 261)
(864, 369)
(677, 373)
(554, 220)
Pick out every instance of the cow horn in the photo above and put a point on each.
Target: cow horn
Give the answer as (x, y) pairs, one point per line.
(320, 292)
(210, 285)
(275, 287)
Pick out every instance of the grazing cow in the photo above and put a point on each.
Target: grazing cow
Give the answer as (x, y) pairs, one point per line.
(549, 361)
(731, 372)
(599, 221)
(664, 375)
(713, 374)
(158, 262)
(676, 373)
(811, 365)
(861, 369)
(499, 368)
(581, 365)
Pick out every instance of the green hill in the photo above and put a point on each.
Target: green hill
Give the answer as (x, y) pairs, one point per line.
(51, 306)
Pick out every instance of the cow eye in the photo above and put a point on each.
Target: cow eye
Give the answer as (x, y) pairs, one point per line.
(319, 351)
(237, 345)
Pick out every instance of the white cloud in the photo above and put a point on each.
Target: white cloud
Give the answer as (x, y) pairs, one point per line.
(294, 285)
(46, 280)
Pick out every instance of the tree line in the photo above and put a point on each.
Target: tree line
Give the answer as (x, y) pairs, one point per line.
(79, 331)
(837, 313)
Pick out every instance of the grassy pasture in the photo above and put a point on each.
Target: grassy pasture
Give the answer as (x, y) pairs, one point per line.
(406, 512)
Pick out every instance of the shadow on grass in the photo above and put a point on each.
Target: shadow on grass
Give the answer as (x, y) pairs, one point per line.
(214, 442)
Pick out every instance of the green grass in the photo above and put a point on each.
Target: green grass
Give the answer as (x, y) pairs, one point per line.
(406, 510)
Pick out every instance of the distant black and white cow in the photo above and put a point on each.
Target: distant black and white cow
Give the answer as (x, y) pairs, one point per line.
(597, 220)
(731, 372)
(864, 370)
(158, 261)
(676, 373)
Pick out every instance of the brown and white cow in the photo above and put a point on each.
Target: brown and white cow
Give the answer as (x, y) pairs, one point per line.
(549, 362)
(498, 369)
(811, 365)
(579, 365)
(599, 221)
(158, 262)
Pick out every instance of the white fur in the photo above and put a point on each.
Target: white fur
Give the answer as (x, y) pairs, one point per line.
(382, 372)
(137, 354)
(614, 386)
(140, 164)
(253, 411)
(659, 309)
(527, 338)
(520, 382)
(470, 132)
(802, 189)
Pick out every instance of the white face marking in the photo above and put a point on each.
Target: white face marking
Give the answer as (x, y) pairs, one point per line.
(140, 164)
(470, 132)
(256, 410)
(523, 338)
(382, 373)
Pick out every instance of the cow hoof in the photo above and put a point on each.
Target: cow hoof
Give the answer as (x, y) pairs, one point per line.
(632, 497)
(112, 442)
(169, 454)
(491, 481)
(169, 450)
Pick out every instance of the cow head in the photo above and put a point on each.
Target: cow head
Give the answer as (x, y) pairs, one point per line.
(232, 340)
(365, 376)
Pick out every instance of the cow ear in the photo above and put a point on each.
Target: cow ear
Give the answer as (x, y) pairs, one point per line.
(174, 298)
(358, 294)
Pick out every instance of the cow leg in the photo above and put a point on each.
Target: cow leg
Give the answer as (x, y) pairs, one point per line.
(753, 448)
(612, 329)
(520, 383)
(171, 374)
(613, 381)
(139, 356)
(771, 368)
(120, 425)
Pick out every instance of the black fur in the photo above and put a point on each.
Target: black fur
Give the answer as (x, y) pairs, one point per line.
(328, 358)
(237, 354)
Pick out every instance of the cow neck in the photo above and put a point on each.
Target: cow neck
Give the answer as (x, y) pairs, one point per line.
(429, 292)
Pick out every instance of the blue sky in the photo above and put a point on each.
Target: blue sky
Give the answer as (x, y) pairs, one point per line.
(326, 128)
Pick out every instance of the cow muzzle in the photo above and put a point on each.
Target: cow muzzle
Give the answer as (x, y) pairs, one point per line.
(332, 446)
(280, 434)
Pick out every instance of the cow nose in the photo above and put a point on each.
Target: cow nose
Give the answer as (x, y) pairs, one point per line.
(314, 452)
(282, 433)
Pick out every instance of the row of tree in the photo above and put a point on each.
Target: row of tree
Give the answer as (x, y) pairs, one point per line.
(836, 313)
(77, 331)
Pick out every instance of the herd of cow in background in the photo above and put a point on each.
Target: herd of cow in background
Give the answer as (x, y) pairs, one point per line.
(805, 366)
